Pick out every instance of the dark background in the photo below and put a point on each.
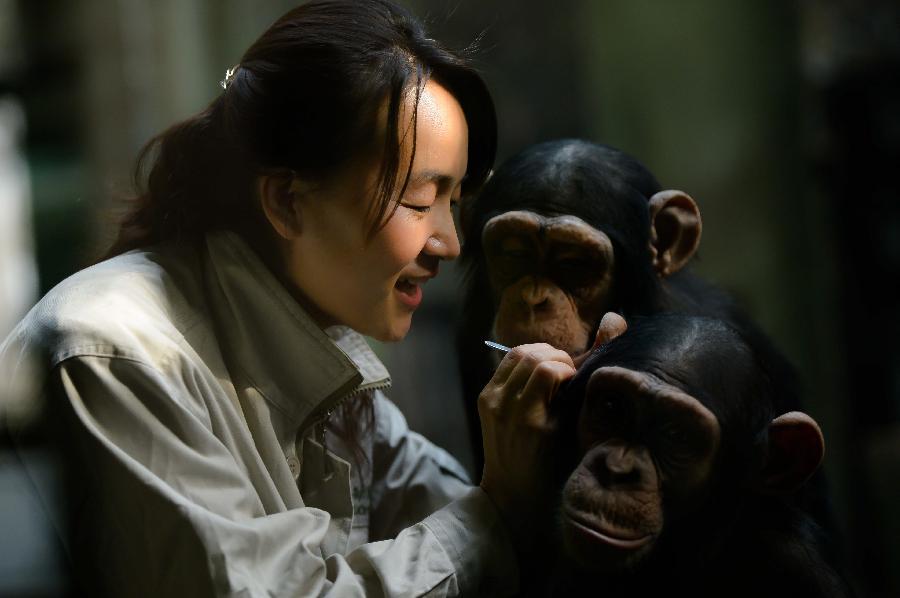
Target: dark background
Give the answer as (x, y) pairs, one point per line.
(781, 118)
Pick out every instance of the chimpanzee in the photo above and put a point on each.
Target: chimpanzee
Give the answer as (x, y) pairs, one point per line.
(562, 233)
(567, 230)
(686, 472)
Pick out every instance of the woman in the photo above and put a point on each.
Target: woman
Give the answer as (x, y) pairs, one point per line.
(223, 412)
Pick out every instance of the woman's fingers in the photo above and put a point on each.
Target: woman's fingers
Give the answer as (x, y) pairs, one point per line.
(541, 387)
(506, 367)
(530, 373)
(519, 433)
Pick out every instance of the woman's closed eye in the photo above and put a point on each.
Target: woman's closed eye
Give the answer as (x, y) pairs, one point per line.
(424, 206)
(422, 209)
(419, 198)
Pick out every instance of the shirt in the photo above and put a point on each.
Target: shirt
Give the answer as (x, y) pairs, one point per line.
(190, 390)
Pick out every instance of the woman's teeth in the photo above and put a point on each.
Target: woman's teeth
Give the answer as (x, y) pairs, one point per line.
(412, 281)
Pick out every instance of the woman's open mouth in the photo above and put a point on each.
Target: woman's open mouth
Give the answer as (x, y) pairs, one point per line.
(409, 292)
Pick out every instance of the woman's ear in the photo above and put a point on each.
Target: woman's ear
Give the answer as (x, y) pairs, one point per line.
(279, 196)
(796, 448)
(675, 228)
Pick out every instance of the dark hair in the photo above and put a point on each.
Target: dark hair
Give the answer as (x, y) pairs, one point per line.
(305, 98)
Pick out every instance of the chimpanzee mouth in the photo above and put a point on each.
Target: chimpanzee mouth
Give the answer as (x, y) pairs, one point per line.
(597, 532)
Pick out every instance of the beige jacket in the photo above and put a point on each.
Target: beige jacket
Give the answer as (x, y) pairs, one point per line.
(189, 388)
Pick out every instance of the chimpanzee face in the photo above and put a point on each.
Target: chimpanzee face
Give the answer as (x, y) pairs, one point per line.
(551, 278)
(569, 230)
(649, 451)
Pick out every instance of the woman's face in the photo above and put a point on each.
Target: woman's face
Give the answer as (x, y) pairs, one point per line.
(375, 284)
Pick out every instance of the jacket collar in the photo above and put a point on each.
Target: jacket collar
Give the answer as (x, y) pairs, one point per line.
(274, 343)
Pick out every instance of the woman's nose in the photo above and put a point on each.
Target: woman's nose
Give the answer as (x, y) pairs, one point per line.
(444, 243)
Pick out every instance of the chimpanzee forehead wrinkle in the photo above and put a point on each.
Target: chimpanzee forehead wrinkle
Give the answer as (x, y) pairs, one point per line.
(562, 229)
(645, 382)
(704, 357)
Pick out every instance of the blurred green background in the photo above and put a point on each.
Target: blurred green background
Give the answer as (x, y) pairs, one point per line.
(782, 118)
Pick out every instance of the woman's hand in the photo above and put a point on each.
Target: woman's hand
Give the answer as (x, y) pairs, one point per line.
(518, 433)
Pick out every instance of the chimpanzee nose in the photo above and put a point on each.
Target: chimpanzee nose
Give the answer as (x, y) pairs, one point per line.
(617, 465)
(536, 295)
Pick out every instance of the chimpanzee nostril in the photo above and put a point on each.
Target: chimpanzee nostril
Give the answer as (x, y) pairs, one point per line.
(536, 295)
(616, 466)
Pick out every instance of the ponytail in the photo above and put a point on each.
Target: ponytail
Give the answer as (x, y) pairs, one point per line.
(188, 179)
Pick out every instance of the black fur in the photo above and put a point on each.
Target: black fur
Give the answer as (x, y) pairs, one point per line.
(740, 542)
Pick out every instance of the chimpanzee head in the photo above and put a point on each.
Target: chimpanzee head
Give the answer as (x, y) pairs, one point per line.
(568, 230)
(675, 430)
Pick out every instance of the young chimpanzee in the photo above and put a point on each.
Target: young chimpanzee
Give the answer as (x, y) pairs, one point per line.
(564, 232)
(687, 472)
(567, 230)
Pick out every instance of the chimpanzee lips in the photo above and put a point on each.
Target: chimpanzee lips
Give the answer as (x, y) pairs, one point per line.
(591, 529)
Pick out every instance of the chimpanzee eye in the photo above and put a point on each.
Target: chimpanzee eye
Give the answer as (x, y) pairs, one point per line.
(607, 415)
(675, 437)
(608, 406)
(573, 264)
(611, 412)
(577, 272)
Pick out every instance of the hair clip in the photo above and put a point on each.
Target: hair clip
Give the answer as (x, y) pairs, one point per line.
(229, 76)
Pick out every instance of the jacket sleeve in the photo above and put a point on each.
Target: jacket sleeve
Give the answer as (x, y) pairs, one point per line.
(162, 507)
(411, 477)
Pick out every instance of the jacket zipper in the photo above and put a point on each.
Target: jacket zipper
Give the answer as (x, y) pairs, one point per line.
(320, 423)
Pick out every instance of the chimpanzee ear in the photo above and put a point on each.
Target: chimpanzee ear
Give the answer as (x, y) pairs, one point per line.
(796, 449)
(675, 228)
